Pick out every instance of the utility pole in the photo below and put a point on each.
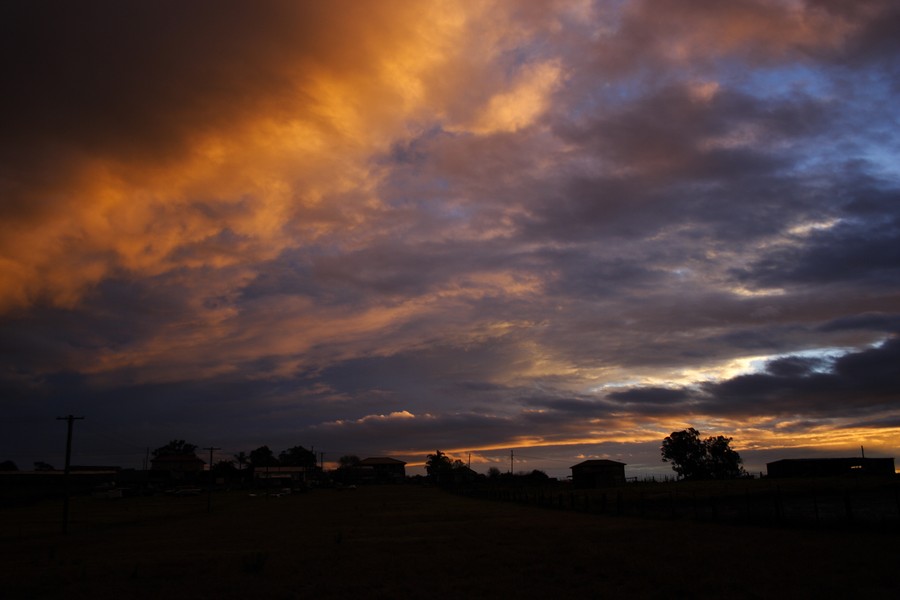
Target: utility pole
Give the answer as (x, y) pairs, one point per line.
(210, 489)
(510, 462)
(70, 419)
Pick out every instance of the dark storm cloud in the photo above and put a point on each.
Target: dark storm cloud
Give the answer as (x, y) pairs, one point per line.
(861, 252)
(872, 321)
(566, 408)
(427, 378)
(760, 33)
(118, 312)
(722, 160)
(585, 276)
(794, 366)
(847, 387)
(887, 422)
(89, 82)
(561, 413)
(135, 79)
(857, 383)
(649, 396)
(875, 41)
(679, 132)
(400, 432)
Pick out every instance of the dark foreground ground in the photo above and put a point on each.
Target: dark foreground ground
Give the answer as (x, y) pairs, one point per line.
(418, 542)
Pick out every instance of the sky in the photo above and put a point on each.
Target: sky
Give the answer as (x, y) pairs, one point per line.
(545, 231)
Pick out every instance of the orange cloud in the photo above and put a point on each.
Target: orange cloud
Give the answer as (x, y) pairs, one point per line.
(251, 134)
(258, 129)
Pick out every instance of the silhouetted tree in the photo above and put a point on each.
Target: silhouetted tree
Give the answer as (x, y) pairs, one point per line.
(347, 472)
(8, 465)
(442, 469)
(298, 456)
(538, 476)
(723, 462)
(241, 458)
(685, 450)
(696, 458)
(493, 473)
(348, 461)
(438, 466)
(263, 457)
(178, 447)
(42, 466)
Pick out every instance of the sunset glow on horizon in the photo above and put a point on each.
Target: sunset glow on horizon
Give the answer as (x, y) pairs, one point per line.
(564, 229)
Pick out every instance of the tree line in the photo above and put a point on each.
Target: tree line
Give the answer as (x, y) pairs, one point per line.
(296, 456)
(691, 456)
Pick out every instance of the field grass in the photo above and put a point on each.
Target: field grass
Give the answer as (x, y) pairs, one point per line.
(418, 542)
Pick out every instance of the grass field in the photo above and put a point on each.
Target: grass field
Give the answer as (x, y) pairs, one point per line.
(418, 542)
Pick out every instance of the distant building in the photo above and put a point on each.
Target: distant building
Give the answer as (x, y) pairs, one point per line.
(382, 469)
(598, 473)
(830, 467)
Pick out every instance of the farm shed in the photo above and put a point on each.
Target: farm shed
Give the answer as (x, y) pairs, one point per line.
(598, 473)
(382, 469)
(830, 467)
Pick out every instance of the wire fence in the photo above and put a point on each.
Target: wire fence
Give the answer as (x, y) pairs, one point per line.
(825, 504)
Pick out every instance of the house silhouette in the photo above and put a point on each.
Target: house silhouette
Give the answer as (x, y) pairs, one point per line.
(598, 473)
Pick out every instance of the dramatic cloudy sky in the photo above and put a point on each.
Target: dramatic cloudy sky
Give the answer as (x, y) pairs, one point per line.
(565, 229)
